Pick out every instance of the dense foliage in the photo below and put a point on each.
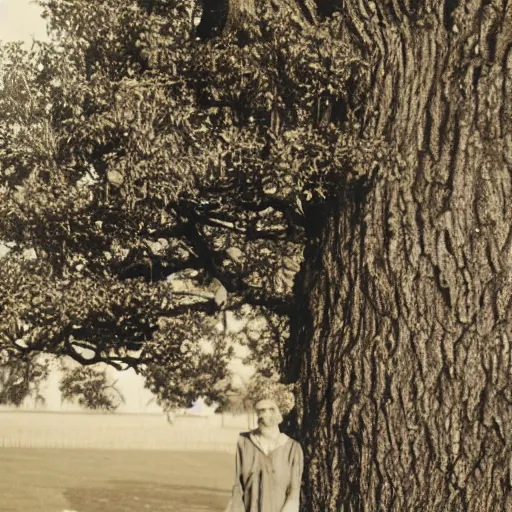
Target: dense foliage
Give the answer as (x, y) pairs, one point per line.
(159, 180)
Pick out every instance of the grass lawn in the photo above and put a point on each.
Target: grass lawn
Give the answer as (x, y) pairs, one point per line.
(53, 480)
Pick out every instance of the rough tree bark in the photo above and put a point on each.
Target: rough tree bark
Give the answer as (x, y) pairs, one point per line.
(401, 342)
(404, 301)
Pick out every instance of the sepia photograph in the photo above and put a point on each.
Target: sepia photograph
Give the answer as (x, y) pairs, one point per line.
(255, 256)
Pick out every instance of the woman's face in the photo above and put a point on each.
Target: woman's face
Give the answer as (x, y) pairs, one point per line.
(268, 413)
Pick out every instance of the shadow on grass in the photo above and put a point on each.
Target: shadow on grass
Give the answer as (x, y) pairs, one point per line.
(133, 496)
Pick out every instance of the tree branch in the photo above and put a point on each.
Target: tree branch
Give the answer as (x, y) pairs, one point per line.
(251, 234)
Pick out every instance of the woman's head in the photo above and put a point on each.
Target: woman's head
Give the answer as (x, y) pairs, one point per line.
(268, 413)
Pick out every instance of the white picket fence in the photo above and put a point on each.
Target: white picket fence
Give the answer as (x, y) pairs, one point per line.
(118, 431)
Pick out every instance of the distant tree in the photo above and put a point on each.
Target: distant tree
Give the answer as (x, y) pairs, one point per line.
(21, 378)
(91, 387)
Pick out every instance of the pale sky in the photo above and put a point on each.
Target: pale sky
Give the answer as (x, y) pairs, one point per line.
(20, 20)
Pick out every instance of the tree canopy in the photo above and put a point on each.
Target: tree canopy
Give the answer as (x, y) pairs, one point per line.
(159, 181)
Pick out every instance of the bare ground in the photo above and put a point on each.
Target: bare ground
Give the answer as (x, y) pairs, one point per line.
(53, 480)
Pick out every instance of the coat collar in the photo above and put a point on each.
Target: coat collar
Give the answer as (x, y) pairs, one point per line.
(254, 436)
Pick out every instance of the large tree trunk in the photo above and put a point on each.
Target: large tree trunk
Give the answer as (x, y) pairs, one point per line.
(405, 366)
